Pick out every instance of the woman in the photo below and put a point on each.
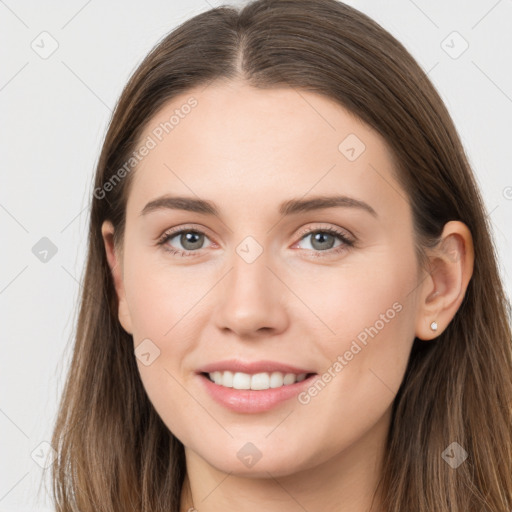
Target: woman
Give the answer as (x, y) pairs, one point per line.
(291, 299)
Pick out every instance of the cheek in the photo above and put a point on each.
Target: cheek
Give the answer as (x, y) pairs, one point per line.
(366, 358)
(160, 295)
(350, 301)
(159, 314)
(370, 314)
(163, 301)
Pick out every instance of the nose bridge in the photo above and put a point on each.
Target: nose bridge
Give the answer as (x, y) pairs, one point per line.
(250, 272)
(250, 279)
(251, 296)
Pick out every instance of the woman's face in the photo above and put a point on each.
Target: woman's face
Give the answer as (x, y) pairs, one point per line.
(269, 284)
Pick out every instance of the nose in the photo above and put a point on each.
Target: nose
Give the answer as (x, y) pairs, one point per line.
(251, 299)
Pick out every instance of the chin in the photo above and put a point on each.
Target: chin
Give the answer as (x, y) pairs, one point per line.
(250, 462)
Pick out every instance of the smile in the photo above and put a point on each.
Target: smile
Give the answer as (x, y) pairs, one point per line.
(257, 381)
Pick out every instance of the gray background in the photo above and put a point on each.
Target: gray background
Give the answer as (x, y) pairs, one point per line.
(54, 111)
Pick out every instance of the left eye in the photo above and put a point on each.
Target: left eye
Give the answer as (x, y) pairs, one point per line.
(323, 240)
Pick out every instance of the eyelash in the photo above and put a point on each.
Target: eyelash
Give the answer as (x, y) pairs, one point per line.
(318, 254)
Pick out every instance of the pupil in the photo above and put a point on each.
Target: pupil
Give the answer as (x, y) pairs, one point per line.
(188, 238)
(321, 238)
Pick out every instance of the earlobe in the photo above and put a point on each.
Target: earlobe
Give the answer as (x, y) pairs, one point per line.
(116, 270)
(443, 290)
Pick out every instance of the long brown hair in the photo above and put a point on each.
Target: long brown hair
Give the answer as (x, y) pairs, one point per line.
(113, 451)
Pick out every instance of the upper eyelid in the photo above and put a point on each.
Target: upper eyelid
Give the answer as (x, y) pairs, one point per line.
(335, 229)
(171, 233)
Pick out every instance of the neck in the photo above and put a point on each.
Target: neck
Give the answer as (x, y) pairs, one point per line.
(347, 481)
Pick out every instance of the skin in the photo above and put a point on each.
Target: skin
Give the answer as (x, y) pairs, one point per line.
(248, 150)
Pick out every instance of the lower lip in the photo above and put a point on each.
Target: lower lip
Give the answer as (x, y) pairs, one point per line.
(250, 400)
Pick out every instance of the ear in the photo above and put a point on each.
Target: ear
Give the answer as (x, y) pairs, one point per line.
(114, 259)
(443, 288)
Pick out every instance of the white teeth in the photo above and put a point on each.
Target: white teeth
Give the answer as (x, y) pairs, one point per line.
(276, 380)
(260, 381)
(257, 381)
(240, 381)
(289, 378)
(227, 379)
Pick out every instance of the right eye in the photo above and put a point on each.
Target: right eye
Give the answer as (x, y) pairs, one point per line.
(190, 239)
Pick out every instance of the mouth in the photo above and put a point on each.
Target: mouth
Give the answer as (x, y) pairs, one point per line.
(253, 386)
(260, 392)
(257, 381)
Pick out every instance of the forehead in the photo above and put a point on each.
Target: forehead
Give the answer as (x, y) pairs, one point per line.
(246, 146)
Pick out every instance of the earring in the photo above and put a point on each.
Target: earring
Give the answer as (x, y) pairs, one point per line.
(433, 325)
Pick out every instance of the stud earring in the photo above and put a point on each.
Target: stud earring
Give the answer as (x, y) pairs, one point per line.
(433, 325)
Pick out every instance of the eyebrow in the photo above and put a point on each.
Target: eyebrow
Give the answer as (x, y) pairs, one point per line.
(289, 207)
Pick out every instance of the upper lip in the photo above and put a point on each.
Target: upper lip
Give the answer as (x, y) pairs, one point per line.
(251, 367)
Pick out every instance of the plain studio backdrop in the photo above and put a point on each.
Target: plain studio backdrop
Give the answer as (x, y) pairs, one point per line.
(63, 66)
